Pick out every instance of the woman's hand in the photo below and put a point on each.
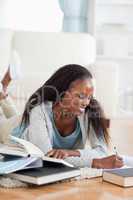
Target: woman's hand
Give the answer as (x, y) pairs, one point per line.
(109, 162)
(62, 153)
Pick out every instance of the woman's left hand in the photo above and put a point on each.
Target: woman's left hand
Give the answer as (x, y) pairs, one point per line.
(62, 153)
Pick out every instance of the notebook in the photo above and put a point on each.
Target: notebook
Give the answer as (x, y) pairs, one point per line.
(122, 177)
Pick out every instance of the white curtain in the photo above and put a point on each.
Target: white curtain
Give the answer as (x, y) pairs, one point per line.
(75, 15)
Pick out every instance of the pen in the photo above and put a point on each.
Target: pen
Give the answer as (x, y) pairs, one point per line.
(115, 151)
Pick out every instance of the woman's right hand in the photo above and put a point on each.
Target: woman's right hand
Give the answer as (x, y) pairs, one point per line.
(109, 162)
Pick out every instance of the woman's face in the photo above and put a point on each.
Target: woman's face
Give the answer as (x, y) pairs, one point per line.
(77, 98)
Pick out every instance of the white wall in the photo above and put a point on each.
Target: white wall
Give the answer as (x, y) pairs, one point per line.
(43, 53)
(115, 42)
(5, 48)
(114, 11)
(106, 75)
(34, 15)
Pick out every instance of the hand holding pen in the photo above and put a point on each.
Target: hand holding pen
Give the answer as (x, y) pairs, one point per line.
(115, 151)
(118, 157)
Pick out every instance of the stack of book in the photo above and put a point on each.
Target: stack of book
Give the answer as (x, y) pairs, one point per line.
(24, 161)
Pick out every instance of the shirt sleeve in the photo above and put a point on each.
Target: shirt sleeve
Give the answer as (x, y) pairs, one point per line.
(37, 132)
(98, 149)
(86, 156)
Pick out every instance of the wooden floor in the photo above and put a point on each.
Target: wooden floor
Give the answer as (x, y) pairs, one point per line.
(93, 189)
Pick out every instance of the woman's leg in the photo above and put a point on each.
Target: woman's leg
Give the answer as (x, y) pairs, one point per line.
(6, 103)
(8, 107)
(7, 126)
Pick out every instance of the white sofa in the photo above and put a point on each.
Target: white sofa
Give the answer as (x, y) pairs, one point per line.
(42, 53)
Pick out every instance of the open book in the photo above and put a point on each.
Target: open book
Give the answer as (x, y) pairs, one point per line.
(11, 164)
(21, 151)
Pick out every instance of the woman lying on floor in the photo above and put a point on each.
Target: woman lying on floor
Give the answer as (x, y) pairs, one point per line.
(62, 116)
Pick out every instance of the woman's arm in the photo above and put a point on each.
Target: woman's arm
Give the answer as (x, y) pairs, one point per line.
(97, 157)
(83, 157)
(37, 131)
(97, 150)
(78, 158)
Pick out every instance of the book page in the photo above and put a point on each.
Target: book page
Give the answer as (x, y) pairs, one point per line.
(50, 159)
(13, 149)
(35, 151)
(12, 165)
(30, 148)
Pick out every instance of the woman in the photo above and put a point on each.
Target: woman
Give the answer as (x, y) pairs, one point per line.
(62, 115)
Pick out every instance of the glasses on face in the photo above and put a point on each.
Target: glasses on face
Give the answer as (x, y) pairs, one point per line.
(82, 96)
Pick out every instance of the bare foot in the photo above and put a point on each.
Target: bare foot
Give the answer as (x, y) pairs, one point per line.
(6, 80)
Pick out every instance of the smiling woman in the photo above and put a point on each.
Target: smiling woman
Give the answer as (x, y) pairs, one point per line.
(62, 115)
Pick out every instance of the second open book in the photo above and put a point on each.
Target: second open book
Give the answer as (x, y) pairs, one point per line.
(20, 154)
